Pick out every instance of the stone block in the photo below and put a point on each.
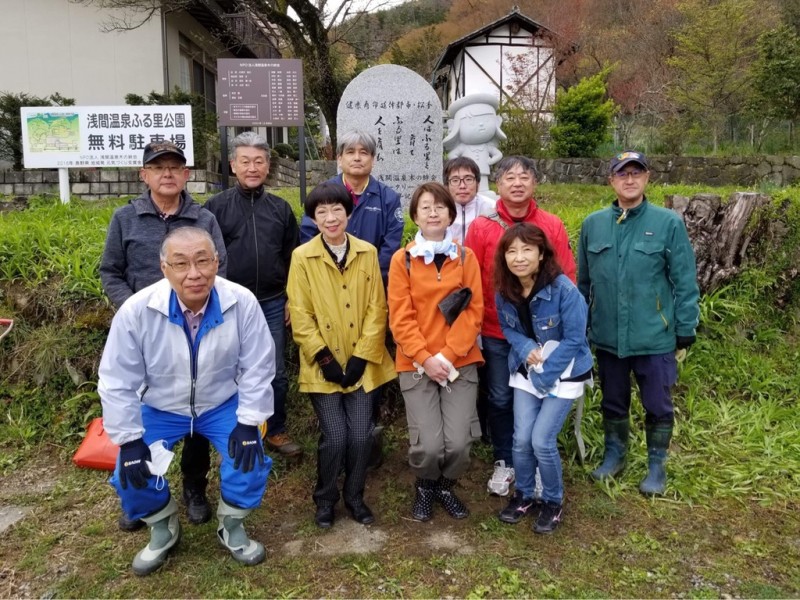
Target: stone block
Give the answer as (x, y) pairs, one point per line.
(6, 189)
(109, 175)
(45, 188)
(14, 177)
(80, 188)
(98, 188)
(196, 187)
(50, 176)
(118, 188)
(23, 189)
(91, 175)
(32, 176)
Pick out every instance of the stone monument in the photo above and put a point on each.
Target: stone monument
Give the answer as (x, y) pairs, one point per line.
(473, 130)
(402, 111)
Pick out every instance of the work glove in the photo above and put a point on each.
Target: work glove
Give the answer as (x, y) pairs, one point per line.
(684, 341)
(353, 371)
(331, 369)
(132, 467)
(244, 446)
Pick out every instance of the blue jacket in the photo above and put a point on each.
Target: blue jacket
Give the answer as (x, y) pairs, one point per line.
(378, 219)
(558, 312)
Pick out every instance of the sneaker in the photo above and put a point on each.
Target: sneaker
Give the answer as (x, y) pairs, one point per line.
(283, 444)
(502, 478)
(548, 519)
(517, 508)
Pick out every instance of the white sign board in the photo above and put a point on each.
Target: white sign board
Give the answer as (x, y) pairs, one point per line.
(101, 136)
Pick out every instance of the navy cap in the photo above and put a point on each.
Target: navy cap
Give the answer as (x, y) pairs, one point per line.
(154, 150)
(627, 157)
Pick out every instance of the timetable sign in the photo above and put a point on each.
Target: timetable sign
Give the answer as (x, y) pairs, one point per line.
(263, 92)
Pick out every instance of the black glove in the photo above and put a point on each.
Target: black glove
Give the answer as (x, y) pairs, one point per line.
(244, 445)
(353, 371)
(684, 341)
(331, 369)
(132, 467)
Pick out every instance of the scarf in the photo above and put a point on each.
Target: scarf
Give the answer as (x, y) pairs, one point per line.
(427, 248)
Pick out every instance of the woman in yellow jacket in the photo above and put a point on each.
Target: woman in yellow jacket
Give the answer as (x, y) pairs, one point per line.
(337, 307)
(437, 355)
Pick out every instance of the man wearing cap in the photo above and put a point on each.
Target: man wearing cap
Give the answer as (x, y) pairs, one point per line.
(130, 263)
(637, 271)
(260, 232)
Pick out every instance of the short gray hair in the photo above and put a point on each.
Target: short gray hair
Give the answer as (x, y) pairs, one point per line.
(186, 233)
(509, 162)
(249, 139)
(354, 137)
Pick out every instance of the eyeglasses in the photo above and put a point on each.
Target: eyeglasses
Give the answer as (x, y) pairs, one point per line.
(183, 266)
(635, 173)
(457, 181)
(437, 208)
(161, 169)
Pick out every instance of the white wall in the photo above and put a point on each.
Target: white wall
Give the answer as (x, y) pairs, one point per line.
(53, 46)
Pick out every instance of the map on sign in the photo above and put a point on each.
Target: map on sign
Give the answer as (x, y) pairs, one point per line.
(261, 92)
(54, 132)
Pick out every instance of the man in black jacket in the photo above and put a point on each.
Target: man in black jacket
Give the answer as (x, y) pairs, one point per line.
(260, 232)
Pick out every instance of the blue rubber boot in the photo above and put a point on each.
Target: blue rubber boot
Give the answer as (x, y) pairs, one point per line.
(658, 438)
(616, 432)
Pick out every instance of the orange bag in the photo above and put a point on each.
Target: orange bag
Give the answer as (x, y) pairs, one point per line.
(96, 451)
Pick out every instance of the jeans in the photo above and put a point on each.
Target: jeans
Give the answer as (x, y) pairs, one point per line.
(537, 423)
(500, 407)
(274, 312)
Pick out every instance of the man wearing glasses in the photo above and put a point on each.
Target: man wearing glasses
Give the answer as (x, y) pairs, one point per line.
(516, 183)
(130, 263)
(461, 175)
(637, 271)
(189, 353)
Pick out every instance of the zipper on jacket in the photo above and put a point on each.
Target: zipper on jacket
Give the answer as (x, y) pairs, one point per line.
(660, 312)
(255, 238)
(623, 216)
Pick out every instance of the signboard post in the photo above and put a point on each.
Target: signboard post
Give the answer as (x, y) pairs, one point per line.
(99, 136)
(261, 93)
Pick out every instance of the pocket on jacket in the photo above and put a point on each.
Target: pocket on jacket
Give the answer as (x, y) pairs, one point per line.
(548, 328)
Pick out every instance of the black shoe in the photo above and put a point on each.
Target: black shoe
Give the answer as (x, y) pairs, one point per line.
(548, 519)
(451, 503)
(126, 524)
(376, 450)
(518, 507)
(361, 513)
(324, 517)
(422, 510)
(197, 508)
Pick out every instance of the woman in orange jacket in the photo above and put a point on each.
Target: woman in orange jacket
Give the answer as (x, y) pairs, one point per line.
(437, 354)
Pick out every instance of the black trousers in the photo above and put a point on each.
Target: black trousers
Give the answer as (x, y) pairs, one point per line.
(195, 461)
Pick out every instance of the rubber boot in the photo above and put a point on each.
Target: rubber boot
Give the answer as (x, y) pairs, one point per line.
(422, 510)
(658, 436)
(232, 535)
(165, 531)
(616, 434)
(452, 504)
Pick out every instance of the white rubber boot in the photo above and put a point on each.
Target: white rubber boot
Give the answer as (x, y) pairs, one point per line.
(232, 535)
(165, 531)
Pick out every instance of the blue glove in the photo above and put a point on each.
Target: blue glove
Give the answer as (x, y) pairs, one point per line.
(132, 467)
(244, 445)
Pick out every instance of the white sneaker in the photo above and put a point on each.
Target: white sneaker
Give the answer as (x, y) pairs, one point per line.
(502, 478)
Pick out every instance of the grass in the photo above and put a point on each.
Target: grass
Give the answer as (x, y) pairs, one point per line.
(729, 526)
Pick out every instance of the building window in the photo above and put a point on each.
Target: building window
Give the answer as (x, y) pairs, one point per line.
(198, 74)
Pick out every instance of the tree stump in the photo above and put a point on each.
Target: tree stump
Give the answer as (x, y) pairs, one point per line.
(721, 233)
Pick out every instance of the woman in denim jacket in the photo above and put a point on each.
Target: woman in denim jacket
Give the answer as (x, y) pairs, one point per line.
(543, 317)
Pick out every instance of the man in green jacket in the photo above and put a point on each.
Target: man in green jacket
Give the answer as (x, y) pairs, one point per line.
(637, 271)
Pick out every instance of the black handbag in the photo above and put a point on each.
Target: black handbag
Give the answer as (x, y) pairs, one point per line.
(454, 304)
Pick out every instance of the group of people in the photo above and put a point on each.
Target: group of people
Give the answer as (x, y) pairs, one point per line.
(482, 305)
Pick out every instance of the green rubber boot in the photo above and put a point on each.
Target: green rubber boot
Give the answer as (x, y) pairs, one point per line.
(232, 535)
(165, 531)
(616, 433)
(658, 438)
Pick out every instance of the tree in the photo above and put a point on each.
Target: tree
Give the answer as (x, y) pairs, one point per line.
(777, 73)
(308, 27)
(714, 54)
(583, 115)
(11, 124)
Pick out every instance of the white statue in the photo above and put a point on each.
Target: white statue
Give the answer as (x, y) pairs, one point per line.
(473, 130)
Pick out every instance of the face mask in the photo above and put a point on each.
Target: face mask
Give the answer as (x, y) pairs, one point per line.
(160, 458)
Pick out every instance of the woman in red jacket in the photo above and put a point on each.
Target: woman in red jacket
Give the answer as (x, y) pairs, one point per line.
(437, 356)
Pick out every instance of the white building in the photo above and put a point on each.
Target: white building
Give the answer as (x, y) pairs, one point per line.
(61, 46)
(513, 58)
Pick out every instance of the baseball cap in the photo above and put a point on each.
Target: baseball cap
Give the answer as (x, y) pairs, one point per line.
(154, 150)
(626, 157)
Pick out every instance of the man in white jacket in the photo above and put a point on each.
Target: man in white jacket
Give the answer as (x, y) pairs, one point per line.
(461, 176)
(190, 353)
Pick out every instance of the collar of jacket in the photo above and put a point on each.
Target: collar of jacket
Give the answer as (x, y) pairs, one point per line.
(165, 301)
(502, 210)
(373, 187)
(631, 212)
(316, 249)
(254, 193)
(187, 208)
